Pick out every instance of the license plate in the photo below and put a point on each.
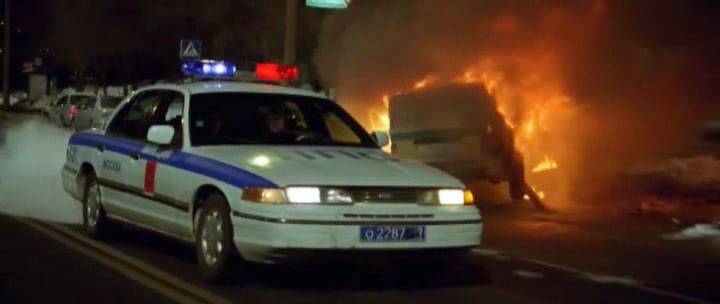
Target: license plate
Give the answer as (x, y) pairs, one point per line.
(392, 233)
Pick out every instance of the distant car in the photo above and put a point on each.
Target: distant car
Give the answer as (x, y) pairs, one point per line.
(95, 112)
(15, 97)
(63, 112)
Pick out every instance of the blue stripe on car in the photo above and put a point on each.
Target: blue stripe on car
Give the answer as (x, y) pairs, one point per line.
(181, 160)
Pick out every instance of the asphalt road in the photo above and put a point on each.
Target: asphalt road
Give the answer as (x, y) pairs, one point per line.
(521, 262)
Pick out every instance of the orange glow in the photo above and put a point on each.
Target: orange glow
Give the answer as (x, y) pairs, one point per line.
(533, 104)
(422, 83)
(546, 165)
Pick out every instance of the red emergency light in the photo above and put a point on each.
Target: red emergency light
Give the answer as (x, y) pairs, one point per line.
(276, 72)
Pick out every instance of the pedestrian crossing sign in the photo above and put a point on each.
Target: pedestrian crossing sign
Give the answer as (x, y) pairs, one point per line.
(190, 49)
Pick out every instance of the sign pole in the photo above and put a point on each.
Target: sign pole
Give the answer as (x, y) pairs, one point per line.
(291, 9)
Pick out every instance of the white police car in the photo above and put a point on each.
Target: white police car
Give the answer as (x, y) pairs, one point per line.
(262, 170)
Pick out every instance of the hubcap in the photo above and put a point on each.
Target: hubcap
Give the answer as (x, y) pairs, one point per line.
(92, 207)
(211, 237)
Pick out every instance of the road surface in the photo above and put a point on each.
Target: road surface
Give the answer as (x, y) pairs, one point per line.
(46, 259)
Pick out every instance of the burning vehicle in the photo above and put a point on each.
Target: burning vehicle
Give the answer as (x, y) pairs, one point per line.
(457, 128)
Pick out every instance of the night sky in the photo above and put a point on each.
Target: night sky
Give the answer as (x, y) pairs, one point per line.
(113, 41)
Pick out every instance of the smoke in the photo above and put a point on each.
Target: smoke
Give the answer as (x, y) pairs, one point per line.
(30, 164)
(617, 81)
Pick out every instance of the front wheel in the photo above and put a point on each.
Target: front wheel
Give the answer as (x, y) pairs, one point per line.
(95, 221)
(214, 246)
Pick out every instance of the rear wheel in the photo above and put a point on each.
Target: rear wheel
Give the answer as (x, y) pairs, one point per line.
(516, 182)
(214, 245)
(95, 221)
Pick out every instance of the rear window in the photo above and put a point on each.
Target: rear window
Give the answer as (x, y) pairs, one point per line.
(110, 102)
(82, 100)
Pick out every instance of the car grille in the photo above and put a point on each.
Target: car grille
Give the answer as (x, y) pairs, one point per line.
(387, 216)
(386, 194)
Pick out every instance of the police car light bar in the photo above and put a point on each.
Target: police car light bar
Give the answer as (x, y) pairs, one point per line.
(209, 69)
(275, 72)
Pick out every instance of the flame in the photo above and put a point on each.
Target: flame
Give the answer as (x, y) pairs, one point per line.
(546, 165)
(423, 82)
(534, 104)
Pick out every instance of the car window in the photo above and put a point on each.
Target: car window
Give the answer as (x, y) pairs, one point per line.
(339, 131)
(175, 109)
(110, 102)
(271, 119)
(174, 116)
(134, 120)
(83, 101)
(61, 101)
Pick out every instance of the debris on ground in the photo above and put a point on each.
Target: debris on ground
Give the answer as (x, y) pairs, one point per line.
(680, 210)
(697, 176)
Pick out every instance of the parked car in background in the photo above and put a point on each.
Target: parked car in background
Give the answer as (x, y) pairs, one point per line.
(95, 112)
(63, 112)
(15, 98)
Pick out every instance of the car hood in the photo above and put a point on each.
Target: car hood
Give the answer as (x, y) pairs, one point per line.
(340, 166)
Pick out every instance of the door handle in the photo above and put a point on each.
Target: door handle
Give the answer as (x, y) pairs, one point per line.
(135, 155)
(100, 148)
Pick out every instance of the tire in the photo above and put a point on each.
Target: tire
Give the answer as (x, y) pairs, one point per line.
(516, 188)
(516, 182)
(214, 245)
(95, 222)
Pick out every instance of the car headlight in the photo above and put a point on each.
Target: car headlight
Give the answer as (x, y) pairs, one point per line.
(297, 195)
(303, 195)
(447, 197)
(451, 197)
(265, 195)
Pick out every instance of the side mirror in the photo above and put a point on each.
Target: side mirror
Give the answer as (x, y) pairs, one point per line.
(160, 134)
(382, 138)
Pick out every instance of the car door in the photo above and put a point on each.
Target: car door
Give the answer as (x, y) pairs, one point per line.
(113, 156)
(86, 108)
(135, 197)
(54, 113)
(164, 181)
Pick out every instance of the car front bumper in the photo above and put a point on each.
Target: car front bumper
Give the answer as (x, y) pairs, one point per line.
(262, 239)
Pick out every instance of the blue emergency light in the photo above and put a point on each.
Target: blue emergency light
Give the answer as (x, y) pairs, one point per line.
(209, 69)
(262, 72)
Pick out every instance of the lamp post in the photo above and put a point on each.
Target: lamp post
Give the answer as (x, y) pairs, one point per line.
(291, 8)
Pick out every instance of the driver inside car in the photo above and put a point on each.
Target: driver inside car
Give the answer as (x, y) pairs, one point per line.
(276, 129)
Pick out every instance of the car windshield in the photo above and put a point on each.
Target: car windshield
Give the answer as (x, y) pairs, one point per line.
(110, 102)
(272, 119)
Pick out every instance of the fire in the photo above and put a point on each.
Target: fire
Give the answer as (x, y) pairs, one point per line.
(423, 82)
(546, 165)
(534, 105)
